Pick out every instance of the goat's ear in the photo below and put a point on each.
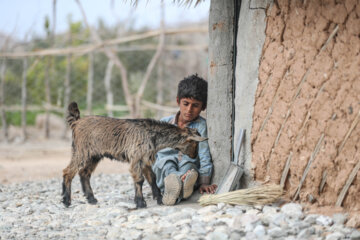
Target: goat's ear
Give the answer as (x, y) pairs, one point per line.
(197, 138)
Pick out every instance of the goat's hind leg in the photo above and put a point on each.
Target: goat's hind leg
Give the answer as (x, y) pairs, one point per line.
(151, 178)
(68, 174)
(85, 174)
(136, 173)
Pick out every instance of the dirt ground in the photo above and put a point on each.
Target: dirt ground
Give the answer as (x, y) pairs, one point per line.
(39, 158)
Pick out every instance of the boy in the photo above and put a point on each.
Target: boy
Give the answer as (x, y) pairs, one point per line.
(177, 174)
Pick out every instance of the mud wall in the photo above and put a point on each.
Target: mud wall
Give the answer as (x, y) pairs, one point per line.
(307, 102)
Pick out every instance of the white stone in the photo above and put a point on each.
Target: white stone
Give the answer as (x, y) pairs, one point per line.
(335, 236)
(311, 218)
(260, 231)
(207, 210)
(221, 205)
(324, 220)
(292, 210)
(340, 218)
(216, 235)
(306, 233)
(277, 232)
(355, 235)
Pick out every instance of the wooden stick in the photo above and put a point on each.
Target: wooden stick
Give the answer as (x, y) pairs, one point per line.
(347, 185)
(303, 126)
(330, 37)
(86, 48)
(313, 155)
(323, 181)
(282, 126)
(353, 125)
(286, 170)
(159, 107)
(265, 85)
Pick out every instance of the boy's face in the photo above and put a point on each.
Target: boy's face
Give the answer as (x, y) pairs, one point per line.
(189, 109)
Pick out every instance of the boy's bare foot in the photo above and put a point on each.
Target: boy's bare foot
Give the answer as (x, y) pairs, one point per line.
(189, 180)
(172, 189)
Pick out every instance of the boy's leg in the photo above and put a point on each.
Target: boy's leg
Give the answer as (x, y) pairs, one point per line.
(161, 172)
(168, 181)
(190, 173)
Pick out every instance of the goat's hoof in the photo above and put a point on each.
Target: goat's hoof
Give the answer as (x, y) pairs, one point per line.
(159, 200)
(66, 202)
(140, 203)
(92, 200)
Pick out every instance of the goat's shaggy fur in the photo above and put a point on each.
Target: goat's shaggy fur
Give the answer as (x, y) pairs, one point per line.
(131, 140)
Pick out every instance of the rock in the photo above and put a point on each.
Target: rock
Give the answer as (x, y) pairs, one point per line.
(277, 232)
(278, 219)
(216, 235)
(324, 221)
(269, 210)
(250, 236)
(236, 235)
(311, 218)
(260, 231)
(355, 235)
(335, 236)
(292, 210)
(306, 233)
(221, 205)
(245, 219)
(354, 222)
(207, 210)
(339, 218)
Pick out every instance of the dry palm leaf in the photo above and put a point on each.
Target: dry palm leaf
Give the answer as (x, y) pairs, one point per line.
(262, 194)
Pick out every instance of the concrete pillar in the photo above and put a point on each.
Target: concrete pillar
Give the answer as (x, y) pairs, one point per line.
(220, 80)
(250, 41)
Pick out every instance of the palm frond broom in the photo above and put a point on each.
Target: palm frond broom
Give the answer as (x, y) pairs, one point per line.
(258, 195)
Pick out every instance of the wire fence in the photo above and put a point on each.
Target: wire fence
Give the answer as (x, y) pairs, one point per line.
(126, 77)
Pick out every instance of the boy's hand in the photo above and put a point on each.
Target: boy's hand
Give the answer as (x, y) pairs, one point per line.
(205, 188)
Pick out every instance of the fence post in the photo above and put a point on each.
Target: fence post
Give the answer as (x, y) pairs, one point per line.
(90, 83)
(160, 72)
(67, 91)
(23, 99)
(107, 82)
(47, 96)
(2, 98)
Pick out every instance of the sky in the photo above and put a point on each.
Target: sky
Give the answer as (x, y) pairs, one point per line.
(23, 16)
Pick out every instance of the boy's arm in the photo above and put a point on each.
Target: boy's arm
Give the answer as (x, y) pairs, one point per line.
(206, 166)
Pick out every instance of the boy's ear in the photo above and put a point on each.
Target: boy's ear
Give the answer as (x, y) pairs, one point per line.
(178, 100)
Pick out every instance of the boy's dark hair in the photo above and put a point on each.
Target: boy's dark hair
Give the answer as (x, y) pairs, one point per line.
(193, 87)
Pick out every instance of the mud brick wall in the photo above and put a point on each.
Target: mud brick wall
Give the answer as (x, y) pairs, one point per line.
(307, 104)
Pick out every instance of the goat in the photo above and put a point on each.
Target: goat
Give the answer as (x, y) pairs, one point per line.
(135, 141)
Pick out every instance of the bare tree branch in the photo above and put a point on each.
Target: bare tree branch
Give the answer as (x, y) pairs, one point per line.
(112, 56)
(152, 63)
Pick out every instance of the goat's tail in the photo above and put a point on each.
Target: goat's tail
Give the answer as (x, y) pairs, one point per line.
(73, 113)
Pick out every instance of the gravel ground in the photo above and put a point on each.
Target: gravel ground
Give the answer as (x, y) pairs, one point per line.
(32, 210)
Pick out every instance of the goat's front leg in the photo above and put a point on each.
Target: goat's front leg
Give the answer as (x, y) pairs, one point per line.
(136, 173)
(151, 178)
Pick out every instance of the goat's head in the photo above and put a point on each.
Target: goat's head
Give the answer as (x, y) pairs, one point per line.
(190, 141)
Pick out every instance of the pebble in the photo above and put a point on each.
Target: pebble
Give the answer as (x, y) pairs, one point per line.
(33, 210)
(355, 235)
(324, 220)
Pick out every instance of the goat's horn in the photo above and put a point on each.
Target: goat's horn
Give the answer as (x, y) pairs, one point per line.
(197, 138)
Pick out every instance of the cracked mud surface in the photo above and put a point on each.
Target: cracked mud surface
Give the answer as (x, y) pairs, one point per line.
(308, 102)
